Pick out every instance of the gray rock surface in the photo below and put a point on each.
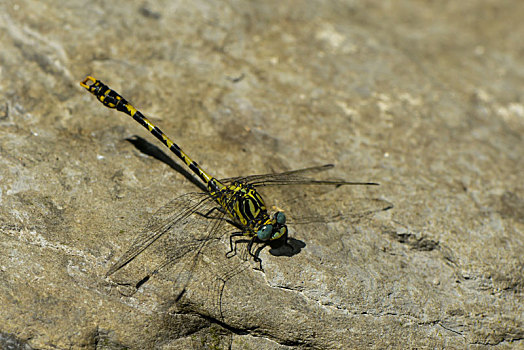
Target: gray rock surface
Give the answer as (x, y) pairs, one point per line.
(424, 97)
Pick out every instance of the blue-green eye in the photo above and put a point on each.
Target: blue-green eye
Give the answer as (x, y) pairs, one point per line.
(280, 217)
(265, 232)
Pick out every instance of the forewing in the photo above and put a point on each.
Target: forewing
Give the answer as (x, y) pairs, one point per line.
(354, 210)
(250, 179)
(163, 221)
(293, 177)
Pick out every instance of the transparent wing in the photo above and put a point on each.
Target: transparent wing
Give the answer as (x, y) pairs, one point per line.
(298, 172)
(174, 213)
(317, 204)
(356, 209)
(293, 177)
(189, 259)
(177, 258)
(183, 247)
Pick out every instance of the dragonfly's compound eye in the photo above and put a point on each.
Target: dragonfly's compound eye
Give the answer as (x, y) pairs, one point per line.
(265, 232)
(280, 217)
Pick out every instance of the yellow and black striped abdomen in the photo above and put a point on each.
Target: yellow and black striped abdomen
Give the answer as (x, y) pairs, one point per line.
(112, 99)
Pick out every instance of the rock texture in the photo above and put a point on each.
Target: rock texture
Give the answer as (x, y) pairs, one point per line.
(424, 97)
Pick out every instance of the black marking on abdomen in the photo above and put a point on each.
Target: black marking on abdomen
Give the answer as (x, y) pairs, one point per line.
(194, 166)
(176, 150)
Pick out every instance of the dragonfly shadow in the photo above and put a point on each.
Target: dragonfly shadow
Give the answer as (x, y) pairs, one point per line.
(290, 248)
(151, 150)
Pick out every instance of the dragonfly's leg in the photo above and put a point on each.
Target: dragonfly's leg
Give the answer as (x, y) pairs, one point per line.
(254, 255)
(208, 214)
(233, 250)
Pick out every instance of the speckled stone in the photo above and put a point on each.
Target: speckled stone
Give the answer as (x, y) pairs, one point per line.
(423, 97)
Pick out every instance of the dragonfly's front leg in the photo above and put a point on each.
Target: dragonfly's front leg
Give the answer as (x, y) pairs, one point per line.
(255, 255)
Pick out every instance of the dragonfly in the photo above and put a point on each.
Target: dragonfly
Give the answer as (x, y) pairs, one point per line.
(235, 200)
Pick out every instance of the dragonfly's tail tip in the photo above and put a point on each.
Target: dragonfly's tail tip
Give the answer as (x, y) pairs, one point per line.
(84, 83)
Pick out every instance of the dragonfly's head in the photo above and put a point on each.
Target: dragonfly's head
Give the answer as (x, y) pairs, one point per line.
(274, 228)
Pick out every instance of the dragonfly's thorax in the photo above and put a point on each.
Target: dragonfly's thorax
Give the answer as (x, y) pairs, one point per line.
(247, 208)
(243, 204)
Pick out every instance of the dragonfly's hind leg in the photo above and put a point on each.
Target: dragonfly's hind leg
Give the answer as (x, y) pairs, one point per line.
(208, 214)
(233, 248)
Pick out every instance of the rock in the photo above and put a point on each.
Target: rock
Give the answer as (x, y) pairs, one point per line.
(424, 98)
